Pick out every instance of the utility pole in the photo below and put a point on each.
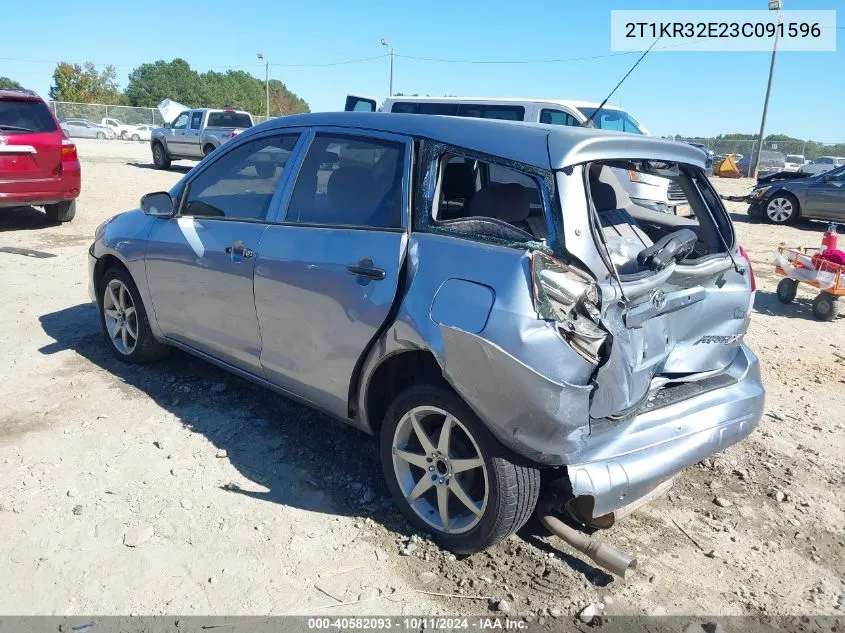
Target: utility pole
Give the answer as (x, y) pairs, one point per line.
(774, 5)
(266, 81)
(390, 52)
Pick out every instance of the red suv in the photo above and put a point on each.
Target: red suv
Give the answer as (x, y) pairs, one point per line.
(38, 164)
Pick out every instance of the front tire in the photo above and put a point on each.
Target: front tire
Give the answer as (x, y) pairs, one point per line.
(61, 211)
(449, 476)
(160, 158)
(782, 209)
(787, 289)
(124, 320)
(826, 306)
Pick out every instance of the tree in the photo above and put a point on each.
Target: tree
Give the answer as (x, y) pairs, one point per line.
(149, 84)
(84, 84)
(5, 83)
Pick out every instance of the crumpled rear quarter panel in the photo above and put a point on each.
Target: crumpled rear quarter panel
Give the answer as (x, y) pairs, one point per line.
(516, 373)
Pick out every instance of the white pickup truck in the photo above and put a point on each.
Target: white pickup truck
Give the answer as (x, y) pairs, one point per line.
(196, 133)
(121, 130)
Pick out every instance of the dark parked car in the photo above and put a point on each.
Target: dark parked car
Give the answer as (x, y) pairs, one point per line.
(480, 295)
(770, 162)
(820, 197)
(38, 164)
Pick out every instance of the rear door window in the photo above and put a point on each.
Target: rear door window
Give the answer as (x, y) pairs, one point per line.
(25, 117)
(240, 184)
(196, 120)
(349, 180)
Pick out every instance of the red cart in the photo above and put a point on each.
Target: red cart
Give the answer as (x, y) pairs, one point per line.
(803, 265)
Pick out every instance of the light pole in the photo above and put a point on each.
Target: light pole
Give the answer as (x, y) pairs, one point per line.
(266, 81)
(774, 5)
(390, 51)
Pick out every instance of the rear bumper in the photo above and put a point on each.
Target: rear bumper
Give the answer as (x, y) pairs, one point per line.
(624, 462)
(38, 192)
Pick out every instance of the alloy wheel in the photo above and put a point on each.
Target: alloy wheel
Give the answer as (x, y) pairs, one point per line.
(444, 480)
(779, 210)
(120, 316)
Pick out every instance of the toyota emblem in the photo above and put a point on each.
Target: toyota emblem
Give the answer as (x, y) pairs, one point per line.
(658, 299)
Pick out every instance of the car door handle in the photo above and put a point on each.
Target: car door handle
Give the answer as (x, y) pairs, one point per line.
(239, 251)
(370, 272)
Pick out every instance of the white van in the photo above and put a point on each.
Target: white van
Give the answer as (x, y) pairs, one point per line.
(656, 194)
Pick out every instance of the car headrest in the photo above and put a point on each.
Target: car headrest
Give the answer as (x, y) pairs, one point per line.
(351, 186)
(458, 182)
(509, 202)
(603, 194)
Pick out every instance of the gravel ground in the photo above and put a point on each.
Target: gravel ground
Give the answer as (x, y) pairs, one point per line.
(177, 488)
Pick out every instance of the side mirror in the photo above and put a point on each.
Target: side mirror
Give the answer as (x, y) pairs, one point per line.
(158, 204)
(167, 126)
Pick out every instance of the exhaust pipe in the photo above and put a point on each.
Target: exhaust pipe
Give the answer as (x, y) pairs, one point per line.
(606, 556)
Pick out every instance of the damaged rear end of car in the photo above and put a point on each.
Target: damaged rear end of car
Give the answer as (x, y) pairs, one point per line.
(660, 305)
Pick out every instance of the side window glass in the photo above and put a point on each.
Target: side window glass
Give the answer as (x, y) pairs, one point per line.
(558, 117)
(181, 122)
(484, 198)
(196, 120)
(350, 180)
(404, 108)
(505, 112)
(241, 183)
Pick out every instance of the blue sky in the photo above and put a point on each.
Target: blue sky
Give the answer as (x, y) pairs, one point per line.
(689, 93)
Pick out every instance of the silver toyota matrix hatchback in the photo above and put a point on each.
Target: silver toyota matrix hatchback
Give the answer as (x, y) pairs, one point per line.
(482, 296)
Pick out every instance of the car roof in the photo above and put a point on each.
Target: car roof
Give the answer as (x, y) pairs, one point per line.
(541, 145)
(574, 103)
(19, 95)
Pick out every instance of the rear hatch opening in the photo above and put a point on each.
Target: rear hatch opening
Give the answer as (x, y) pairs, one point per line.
(676, 305)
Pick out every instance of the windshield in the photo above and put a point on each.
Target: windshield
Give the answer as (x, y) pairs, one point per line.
(618, 120)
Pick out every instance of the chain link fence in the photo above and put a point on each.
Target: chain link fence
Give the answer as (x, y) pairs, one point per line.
(96, 112)
(808, 149)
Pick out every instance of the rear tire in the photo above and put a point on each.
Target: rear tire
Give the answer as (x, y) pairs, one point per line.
(135, 137)
(787, 289)
(101, 136)
(160, 158)
(121, 309)
(470, 467)
(61, 211)
(208, 149)
(826, 306)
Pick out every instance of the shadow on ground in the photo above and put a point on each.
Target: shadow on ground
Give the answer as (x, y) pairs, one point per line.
(801, 308)
(303, 458)
(24, 219)
(180, 168)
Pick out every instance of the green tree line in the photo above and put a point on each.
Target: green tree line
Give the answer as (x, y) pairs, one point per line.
(151, 83)
(785, 144)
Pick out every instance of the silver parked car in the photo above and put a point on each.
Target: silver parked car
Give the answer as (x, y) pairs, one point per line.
(480, 295)
(822, 164)
(82, 128)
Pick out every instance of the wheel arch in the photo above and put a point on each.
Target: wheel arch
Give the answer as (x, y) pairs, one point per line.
(103, 264)
(393, 374)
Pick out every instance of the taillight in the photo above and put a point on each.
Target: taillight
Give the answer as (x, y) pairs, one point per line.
(570, 298)
(68, 151)
(744, 255)
(234, 134)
